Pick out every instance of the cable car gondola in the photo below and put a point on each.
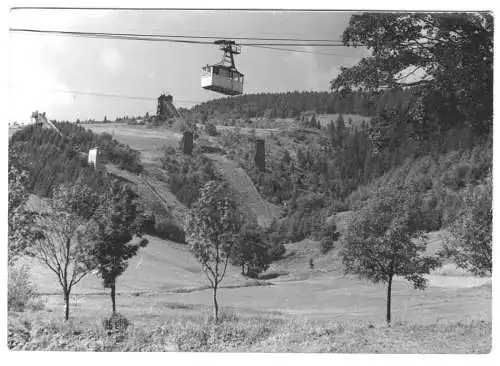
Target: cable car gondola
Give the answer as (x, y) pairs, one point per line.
(223, 77)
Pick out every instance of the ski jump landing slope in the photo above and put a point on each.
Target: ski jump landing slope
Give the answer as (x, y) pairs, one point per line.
(247, 197)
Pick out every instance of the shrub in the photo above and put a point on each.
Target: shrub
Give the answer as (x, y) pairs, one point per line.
(116, 323)
(166, 229)
(251, 251)
(149, 222)
(329, 230)
(21, 292)
(180, 125)
(304, 219)
(210, 129)
(456, 177)
(277, 251)
(159, 223)
(19, 332)
(326, 245)
(169, 150)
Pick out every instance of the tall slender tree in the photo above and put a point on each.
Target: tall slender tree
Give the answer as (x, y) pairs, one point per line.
(120, 220)
(212, 228)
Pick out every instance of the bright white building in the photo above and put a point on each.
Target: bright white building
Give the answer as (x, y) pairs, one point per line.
(93, 153)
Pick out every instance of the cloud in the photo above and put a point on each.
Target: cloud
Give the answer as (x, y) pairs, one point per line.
(24, 100)
(33, 84)
(112, 60)
(313, 76)
(321, 80)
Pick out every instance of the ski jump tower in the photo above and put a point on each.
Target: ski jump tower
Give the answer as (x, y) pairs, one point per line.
(40, 119)
(166, 110)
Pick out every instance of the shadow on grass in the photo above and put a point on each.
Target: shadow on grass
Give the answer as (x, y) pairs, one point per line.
(272, 275)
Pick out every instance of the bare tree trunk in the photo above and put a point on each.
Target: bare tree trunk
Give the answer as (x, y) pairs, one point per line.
(216, 305)
(389, 288)
(113, 294)
(66, 303)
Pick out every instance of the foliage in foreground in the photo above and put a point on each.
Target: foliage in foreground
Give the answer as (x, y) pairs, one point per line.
(22, 293)
(252, 334)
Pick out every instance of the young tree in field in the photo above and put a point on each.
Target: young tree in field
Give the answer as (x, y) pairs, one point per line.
(118, 222)
(61, 243)
(251, 251)
(470, 241)
(212, 227)
(384, 241)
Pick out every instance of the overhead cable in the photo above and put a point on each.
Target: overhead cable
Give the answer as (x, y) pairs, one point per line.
(163, 38)
(182, 39)
(304, 51)
(108, 95)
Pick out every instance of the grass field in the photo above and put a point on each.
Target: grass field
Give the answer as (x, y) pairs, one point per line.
(164, 295)
(164, 275)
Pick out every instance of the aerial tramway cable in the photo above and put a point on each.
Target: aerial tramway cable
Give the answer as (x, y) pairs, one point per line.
(163, 38)
(155, 35)
(180, 39)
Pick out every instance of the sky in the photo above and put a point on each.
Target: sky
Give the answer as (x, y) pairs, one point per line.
(44, 70)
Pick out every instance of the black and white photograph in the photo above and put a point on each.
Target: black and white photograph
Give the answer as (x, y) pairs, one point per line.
(228, 180)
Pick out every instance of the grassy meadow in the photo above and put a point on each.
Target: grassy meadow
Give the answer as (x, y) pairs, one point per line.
(165, 297)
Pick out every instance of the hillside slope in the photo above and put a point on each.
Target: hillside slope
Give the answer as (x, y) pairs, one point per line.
(152, 189)
(150, 143)
(247, 196)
